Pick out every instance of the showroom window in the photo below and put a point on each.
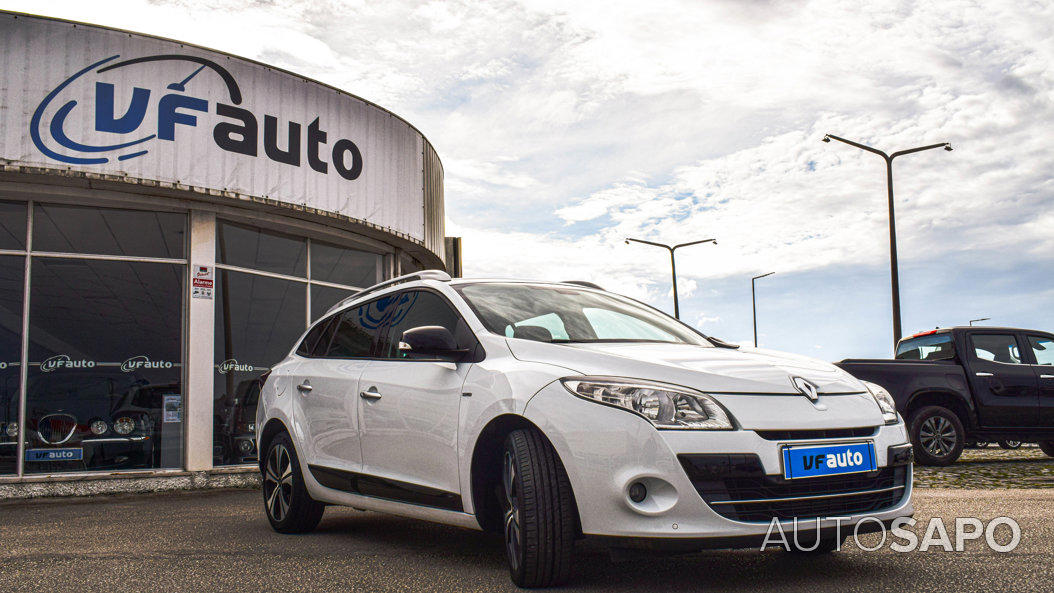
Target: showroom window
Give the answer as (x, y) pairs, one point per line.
(269, 286)
(105, 308)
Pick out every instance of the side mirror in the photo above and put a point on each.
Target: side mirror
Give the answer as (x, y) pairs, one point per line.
(430, 341)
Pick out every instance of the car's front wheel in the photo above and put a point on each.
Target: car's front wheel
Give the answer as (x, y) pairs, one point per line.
(1047, 447)
(289, 507)
(938, 436)
(539, 513)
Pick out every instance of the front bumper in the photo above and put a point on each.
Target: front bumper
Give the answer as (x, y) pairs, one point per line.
(606, 450)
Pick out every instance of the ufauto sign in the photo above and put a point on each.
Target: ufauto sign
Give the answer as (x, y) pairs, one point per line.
(105, 101)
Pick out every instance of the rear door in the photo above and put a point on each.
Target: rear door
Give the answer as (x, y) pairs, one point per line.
(329, 385)
(1042, 348)
(410, 409)
(1004, 385)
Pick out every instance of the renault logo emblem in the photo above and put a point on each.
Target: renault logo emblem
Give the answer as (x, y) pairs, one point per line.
(806, 388)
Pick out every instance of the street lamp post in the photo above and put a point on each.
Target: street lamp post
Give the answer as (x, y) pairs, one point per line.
(981, 319)
(888, 158)
(673, 264)
(754, 305)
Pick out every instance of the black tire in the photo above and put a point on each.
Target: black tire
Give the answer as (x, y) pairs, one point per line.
(1011, 445)
(937, 435)
(287, 504)
(539, 524)
(1047, 447)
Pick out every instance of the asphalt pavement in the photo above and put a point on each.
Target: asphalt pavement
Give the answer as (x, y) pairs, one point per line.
(220, 541)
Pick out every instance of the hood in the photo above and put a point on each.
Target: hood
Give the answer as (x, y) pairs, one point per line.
(754, 385)
(718, 370)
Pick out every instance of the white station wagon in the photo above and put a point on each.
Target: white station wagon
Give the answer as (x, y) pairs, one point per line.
(550, 412)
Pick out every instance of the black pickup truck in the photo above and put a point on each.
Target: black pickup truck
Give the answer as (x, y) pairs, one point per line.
(961, 384)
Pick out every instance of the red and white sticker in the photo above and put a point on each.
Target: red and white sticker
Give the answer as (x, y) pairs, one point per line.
(201, 283)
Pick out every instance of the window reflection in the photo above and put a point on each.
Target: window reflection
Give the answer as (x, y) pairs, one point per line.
(103, 383)
(258, 320)
(12, 269)
(250, 247)
(339, 265)
(12, 225)
(109, 231)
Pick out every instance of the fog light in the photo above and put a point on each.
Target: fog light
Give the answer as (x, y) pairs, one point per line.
(637, 492)
(245, 446)
(99, 427)
(11, 429)
(124, 425)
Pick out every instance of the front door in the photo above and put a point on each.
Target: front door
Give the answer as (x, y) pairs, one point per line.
(1043, 357)
(1005, 387)
(410, 411)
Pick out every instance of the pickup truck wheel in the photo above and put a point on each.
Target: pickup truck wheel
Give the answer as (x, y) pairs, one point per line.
(1047, 447)
(1009, 444)
(539, 514)
(938, 436)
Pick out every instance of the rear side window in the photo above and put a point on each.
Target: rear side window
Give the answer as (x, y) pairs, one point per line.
(353, 339)
(996, 347)
(316, 340)
(931, 347)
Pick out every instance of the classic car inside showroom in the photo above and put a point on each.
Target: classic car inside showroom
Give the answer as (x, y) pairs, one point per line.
(156, 200)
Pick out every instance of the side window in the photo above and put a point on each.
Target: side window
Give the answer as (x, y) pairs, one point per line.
(996, 347)
(314, 343)
(1043, 348)
(355, 332)
(414, 309)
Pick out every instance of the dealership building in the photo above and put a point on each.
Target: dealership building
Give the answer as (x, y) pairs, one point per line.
(171, 220)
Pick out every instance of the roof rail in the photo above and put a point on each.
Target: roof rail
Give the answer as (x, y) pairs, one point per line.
(583, 283)
(439, 275)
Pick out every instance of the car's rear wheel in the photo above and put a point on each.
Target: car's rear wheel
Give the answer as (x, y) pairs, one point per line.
(1047, 447)
(938, 436)
(539, 512)
(1009, 444)
(289, 507)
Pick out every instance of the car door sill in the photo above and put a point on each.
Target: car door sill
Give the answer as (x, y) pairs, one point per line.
(386, 488)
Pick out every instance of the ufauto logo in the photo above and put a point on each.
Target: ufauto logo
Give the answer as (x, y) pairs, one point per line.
(233, 366)
(141, 362)
(63, 361)
(237, 131)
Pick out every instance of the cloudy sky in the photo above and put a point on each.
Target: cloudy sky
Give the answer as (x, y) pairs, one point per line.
(565, 127)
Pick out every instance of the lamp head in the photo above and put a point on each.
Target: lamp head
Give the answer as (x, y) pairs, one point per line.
(948, 147)
(826, 138)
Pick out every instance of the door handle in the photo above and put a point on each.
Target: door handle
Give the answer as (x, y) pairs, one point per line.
(984, 374)
(304, 387)
(370, 394)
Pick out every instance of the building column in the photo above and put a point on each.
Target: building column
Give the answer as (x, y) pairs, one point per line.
(201, 320)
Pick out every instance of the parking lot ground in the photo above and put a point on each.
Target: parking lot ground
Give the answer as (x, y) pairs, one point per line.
(220, 541)
(991, 468)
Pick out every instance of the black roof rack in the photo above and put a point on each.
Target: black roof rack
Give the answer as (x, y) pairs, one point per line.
(583, 283)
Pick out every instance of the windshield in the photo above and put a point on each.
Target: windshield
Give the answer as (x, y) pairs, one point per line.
(930, 347)
(547, 313)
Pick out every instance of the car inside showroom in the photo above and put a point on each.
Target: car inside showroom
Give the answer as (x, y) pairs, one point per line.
(171, 220)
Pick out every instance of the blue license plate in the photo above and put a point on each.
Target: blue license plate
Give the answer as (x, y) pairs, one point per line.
(811, 461)
(71, 454)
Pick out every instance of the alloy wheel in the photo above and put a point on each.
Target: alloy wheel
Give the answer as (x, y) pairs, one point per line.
(513, 533)
(278, 482)
(937, 436)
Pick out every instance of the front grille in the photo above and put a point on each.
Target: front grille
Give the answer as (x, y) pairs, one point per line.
(736, 487)
(800, 435)
(56, 429)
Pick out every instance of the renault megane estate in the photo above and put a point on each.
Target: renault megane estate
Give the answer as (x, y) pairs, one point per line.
(550, 412)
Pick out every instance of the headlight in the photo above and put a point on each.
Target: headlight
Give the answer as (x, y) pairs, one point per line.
(99, 427)
(124, 425)
(665, 406)
(11, 429)
(884, 400)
